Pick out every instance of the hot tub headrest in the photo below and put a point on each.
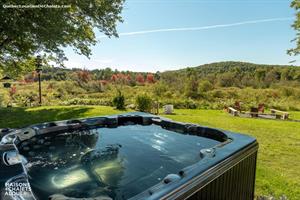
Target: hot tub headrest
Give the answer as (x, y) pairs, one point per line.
(24, 134)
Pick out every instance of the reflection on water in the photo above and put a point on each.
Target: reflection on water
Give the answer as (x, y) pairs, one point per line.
(69, 177)
(119, 162)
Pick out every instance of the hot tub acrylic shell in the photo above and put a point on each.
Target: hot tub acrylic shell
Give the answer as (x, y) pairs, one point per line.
(226, 171)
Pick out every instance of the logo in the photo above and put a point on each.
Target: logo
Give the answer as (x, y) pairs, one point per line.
(16, 189)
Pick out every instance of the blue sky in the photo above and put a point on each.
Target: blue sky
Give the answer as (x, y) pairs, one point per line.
(158, 50)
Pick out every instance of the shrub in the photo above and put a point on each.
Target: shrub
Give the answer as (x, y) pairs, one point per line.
(144, 103)
(93, 86)
(190, 104)
(1, 100)
(205, 86)
(83, 101)
(287, 91)
(218, 93)
(12, 91)
(191, 89)
(68, 88)
(169, 94)
(119, 101)
(226, 80)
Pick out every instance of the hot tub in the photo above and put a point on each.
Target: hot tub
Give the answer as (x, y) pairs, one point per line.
(130, 156)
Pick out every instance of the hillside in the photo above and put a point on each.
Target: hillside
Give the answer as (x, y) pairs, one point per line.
(229, 65)
(238, 74)
(212, 86)
(287, 72)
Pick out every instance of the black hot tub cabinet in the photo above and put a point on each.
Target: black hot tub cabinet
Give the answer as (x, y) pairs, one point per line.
(129, 156)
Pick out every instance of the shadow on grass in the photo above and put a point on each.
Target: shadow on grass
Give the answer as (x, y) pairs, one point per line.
(20, 117)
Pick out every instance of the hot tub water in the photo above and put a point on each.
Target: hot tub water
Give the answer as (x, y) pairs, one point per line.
(116, 162)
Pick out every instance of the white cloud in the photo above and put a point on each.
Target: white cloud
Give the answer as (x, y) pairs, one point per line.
(202, 27)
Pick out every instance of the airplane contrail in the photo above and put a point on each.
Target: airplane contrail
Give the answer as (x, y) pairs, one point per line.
(202, 27)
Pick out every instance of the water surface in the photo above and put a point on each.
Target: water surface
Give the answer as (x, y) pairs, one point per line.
(117, 162)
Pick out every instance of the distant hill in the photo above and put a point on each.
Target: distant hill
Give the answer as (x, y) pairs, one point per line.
(238, 74)
(232, 70)
(227, 66)
(235, 67)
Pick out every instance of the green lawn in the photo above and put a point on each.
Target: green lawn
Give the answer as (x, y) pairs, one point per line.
(20, 117)
(294, 115)
(278, 170)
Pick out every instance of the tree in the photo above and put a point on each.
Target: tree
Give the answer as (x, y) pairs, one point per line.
(83, 76)
(192, 84)
(205, 86)
(260, 74)
(17, 68)
(157, 75)
(27, 31)
(150, 78)
(192, 88)
(226, 80)
(140, 79)
(296, 50)
(272, 76)
(114, 78)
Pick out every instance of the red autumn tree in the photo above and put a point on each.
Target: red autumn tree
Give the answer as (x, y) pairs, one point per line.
(83, 76)
(120, 78)
(150, 78)
(114, 78)
(140, 79)
(128, 78)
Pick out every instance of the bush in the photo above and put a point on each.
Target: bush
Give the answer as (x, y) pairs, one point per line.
(192, 88)
(93, 86)
(82, 101)
(218, 93)
(144, 103)
(190, 104)
(1, 100)
(205, 86)
(159, 89)
(119, 101)
(288, 91)
(27, 98)
(67, 88)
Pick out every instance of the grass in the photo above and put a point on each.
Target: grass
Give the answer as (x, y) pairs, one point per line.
(279, 152)
(294, 115)
(20, 117)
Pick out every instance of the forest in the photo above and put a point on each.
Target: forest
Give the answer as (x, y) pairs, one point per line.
(209, 86)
